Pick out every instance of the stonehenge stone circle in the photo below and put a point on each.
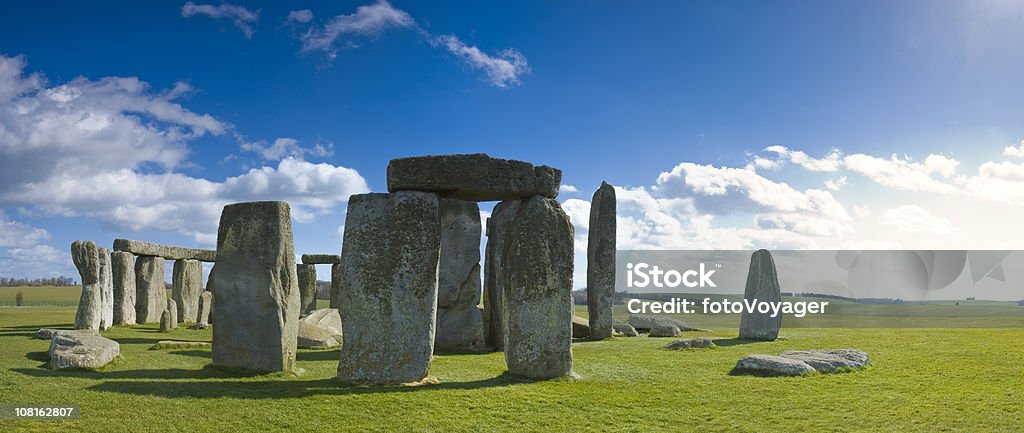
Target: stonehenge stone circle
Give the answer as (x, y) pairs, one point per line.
(81, 349)
(497, 234)
(307, 288)
(172, 307)
(321, 259)
(209, 288)
(388, 298)
(459, 319)
(107, 292)
(86, 257)
(536, 279)
(122, 266)
(166, 320)
(257, 291)
(186, 285)
(601, 262)
(150, 291)
(335, 285)
(205, 305)
(143, 248)
(762, 285)
(476, 177)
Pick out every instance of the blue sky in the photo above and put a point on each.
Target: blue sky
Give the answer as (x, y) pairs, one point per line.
(675, 103)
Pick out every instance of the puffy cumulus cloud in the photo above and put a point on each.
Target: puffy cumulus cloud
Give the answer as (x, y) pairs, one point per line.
(836, 184)
(998, 181)
(15, 234)
(36, 261)
(286, 147)
(915, 219)
(502, 70)
(241, 17)
(904, 173)
(568, 189)
(830, 162)
(1017, 151)
(367, 20)
(310, 188)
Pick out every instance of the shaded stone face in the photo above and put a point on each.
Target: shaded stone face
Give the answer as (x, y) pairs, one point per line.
(388, 296)
(86, 257)
(307, 288)
(459, 320)
(335, 285)
(763, 285)
(497, 235)
(205, 306)
(186, 285)
(150, 291)
(536, 277)
(257, 293)
(143, 248)
(106, 290)
(122, 266)
(166, 321)
(321, 259)
(476, 177)
(601, 262)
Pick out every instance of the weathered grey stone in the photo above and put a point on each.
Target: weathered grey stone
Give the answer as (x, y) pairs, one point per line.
(692, 343)
(107, 292)
(86, 257)
(770, 365)
(166, 321)
(307, 288)
(150, 290)
(459, 320)
(213, 301)
(536, 279)
(762, 285)
(81, 349)
(172, 308)
(473, 177)
(664, 331)
(257, 293)
(828, 361)
(601, 262)
(645, 323)
(580, 327)
(122, 266)
(320, 329)
(143, 248)
(321, 259)
(46, 333)
(335, 285)
(388, 299)
(497, 235)
(186, 285)
(626, 330)
(205, 306)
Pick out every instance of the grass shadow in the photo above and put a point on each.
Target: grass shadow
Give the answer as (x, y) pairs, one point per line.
(195, 352)
(726, 342)
(207, 372)
(319, 355)
(43, 356)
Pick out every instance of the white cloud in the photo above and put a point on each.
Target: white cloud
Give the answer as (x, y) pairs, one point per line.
(836, 184)
(568, 189)
(368, 20)
(915, 219)
(300, 16)
(1015, 150)
(830, 162)
(36, 261)
(286, 147)
(502, 70)
(903, 173)
(862, 211)
(241, 17)
(15, 234)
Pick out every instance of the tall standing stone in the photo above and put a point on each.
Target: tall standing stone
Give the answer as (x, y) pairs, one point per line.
(122, 267)
(335, 285)
(205, 306)
(209, 288)
(86, 257)
(107, 292)
(388, 300)
(497, 234)
(601, 262)
(536, 278)
(172, 308)
(186, 285)
(307, 288)
(459, 319)
(150, 290)
(257, 306)
(763, 285)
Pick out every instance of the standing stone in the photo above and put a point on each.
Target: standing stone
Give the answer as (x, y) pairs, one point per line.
(122, 267)
(257, 290)
(150, 290)
(601, 262)
(307, 288)
(497, 234)
(335, 285)
(388, 300)
(536, 278)
(186, 285)
(459, 319)
(87, 259)
(762, 285)
(166, 321)
(172, 307)
(107, 292)
(209, 288)
(205, 302)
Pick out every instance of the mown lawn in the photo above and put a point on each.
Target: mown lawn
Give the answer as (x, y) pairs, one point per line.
(920, 379)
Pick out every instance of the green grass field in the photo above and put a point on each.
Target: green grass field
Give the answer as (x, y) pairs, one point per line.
(920, 379)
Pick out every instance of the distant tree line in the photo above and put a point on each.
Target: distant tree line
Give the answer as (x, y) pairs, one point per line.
(885, 301)
(55, 281)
